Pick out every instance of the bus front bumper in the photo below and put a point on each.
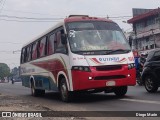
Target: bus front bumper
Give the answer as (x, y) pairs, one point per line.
(102, 79)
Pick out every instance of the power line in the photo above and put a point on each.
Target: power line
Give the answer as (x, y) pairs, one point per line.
(117, 19)
(11, 52)
(6, 52)
(120, 16)
(51, 15)
(48, 19)
(45, 19)
(26, 21)
(10, 43)
(16, 51)
(58, 15)
(29, 12)
(17, 17)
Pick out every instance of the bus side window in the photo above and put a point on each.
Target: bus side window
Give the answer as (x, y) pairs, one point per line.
(51, 44)
(42, 47)
(22, 55)
(28, 56)
(34, 50)
(30, 53)
(60, 48)
(25, 55)
(27, 51)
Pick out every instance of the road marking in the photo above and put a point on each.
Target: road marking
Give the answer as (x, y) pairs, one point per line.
(141, 101)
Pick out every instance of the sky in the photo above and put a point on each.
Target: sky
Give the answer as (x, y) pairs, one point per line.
(23, 20)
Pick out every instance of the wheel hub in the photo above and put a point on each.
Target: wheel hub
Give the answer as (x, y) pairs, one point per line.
(149, 84)
(64, 91)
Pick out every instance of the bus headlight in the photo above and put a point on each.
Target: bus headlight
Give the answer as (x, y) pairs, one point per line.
(130, 66)
(81, 68)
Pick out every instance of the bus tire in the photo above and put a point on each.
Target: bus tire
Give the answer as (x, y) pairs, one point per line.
(36, 92)
(65, 94)
(121, 91)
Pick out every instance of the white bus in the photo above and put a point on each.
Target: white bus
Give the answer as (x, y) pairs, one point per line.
(81, 53)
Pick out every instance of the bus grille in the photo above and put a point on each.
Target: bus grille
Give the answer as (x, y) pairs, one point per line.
(109, 77)
(108, 67)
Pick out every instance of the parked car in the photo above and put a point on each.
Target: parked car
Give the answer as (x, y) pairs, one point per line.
(151, 71)
(18, 80)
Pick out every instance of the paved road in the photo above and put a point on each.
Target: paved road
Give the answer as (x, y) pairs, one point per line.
(137, 99)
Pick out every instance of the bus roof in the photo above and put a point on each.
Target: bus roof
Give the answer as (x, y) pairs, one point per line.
(84, 18)
(71, 18)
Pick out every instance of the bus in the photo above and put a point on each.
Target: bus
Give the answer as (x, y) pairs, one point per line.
(79, 54)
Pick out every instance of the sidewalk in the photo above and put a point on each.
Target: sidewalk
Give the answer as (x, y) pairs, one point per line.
(4, 81)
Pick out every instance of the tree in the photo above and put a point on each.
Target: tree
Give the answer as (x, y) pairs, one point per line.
(4, 70)
(15, 72)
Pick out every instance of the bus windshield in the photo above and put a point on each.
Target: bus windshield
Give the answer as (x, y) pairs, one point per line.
(96, 36)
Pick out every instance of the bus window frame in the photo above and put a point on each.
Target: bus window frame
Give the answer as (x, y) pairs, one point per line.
(49, 36)
(65, 46)
(29, 52)
(45, 52)
(55, 41)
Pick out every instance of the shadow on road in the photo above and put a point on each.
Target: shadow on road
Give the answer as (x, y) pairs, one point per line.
(83, 98)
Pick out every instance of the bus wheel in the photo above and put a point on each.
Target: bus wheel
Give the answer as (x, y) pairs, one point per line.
(120, 91)
(36, 92)
(65, 94)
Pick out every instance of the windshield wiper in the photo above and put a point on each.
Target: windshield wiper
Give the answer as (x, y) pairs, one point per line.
(118, 50)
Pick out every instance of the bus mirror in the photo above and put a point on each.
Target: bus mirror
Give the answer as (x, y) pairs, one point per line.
(63, 39)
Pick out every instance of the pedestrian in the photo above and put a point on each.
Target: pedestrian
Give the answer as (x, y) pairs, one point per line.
(12, 80)
(136, 58)
(143, 58)
(137, 66)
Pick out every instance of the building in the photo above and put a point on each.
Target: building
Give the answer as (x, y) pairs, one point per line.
(146, 27)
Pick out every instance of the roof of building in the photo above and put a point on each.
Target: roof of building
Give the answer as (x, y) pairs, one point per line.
(144, 15)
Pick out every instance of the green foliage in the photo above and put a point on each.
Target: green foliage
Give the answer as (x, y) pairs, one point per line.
(4, 70)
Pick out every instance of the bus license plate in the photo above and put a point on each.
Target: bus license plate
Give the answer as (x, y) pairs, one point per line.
(110, 83)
